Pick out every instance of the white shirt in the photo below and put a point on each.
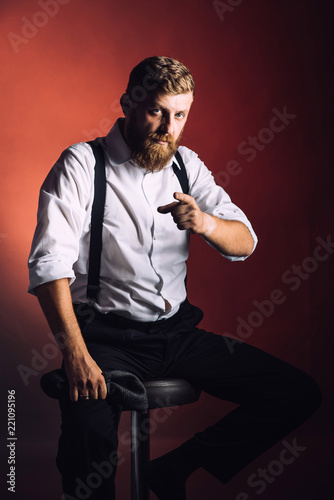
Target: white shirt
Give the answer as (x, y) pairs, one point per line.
(144, 254)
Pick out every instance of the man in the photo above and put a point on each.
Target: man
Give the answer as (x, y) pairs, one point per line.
(142, 322)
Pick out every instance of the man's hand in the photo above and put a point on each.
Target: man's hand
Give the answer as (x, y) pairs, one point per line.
(230, 237)
(187, 215)
(85, 378)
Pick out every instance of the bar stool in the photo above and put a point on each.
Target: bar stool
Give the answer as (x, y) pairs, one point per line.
(161, 393)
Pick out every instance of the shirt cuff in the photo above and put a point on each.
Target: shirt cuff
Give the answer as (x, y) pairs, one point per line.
(48, 271)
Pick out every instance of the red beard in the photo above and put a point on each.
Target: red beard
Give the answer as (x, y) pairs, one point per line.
(147, 152)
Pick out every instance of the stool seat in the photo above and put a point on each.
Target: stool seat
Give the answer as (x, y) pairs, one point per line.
(162, 393)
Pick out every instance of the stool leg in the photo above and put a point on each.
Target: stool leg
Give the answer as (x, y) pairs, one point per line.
(140, 451)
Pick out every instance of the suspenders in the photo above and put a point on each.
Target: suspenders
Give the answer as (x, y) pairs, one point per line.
(181, 173)
(95, 247)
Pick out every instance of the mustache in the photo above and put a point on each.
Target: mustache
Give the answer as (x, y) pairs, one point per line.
(154, 136)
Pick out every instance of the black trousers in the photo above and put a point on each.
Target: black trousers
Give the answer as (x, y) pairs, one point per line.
(273, 397)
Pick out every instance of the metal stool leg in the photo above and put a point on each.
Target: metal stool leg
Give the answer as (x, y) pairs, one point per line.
(140, 452)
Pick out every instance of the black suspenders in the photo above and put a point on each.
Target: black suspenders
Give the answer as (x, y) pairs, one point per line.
(95, 248)
(181, 173)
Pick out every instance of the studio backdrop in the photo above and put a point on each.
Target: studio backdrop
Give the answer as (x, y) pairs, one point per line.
(262, 123)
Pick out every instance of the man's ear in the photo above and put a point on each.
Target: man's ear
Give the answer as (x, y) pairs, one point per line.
(126, 104)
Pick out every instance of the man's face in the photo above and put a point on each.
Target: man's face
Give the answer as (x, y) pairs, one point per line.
(153, 129)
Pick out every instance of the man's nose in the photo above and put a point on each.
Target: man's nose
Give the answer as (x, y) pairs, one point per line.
(167, 125)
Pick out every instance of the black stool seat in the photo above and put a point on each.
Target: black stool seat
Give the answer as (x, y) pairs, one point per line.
(169, 392)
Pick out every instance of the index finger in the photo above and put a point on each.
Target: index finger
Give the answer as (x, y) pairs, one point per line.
(102, 390)
(165, 209)
(102, 393)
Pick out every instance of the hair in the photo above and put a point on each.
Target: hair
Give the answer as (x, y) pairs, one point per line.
(159, 74)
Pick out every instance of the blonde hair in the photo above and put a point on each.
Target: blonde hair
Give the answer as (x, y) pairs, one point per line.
(159, 74)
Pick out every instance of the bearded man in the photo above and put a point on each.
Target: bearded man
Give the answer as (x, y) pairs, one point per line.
(141, 321)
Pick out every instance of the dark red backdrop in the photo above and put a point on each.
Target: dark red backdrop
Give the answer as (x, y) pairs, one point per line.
(65, 64)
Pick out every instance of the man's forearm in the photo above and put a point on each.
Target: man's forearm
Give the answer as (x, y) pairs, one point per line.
(56, 303)
(84, 375)
(230, 237)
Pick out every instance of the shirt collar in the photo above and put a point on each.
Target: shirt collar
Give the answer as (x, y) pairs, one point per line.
(118, 150)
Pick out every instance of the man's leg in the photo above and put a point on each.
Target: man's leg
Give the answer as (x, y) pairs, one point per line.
(87, 450)
(273, 397)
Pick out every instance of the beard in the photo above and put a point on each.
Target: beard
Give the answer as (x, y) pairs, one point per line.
(146, 151)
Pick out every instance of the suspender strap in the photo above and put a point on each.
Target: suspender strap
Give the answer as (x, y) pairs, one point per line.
(181, 173)
(95, 247)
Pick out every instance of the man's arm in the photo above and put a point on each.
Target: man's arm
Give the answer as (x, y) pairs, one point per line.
(84, 375)
(230, 237)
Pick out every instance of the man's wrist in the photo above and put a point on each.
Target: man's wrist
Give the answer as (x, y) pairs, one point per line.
(209, 225)
(75, 350)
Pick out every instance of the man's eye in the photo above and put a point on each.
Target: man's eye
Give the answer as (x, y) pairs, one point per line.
(155, 111)
(179, 115)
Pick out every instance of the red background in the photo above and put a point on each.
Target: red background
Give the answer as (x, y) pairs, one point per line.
(60, 84)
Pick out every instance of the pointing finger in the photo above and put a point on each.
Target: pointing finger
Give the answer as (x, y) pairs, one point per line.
(165, 209)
